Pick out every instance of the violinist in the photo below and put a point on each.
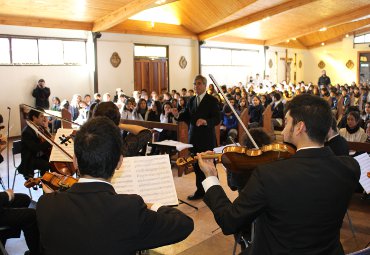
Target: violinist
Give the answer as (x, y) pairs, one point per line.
(35, 151)
(300, 202)
(98, 220)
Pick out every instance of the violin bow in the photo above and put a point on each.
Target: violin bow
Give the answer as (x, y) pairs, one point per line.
(235, 113)
(41, 133)
(49, 114)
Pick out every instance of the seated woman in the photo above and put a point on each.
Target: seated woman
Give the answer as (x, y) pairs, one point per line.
(127, 109)
(255, 112)
(155, 112)
(353, 131)
(140, 110)
(167, 117)
(368, 131)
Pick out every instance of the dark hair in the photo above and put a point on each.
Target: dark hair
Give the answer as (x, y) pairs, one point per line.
(57, 98)
(227, 109)
(34, 113)
(167, 102)
(259, 135)
(159, 106)
(314, 112)
(355, 115)
(1, 119)
(41, 80)
(98, 147)
(108, 109)
(277, 96)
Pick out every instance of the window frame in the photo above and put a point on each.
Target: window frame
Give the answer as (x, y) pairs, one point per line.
(37, 38)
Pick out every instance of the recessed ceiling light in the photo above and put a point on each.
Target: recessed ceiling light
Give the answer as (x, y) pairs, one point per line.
(322, 44)
(287, 40)
(160, 1)
(347, 35)
(323, 29)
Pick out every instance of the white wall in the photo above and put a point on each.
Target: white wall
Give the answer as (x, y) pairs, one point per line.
(18, 81)
(335, 57)
(122, 77)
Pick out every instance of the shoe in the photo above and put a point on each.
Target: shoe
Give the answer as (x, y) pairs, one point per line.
(196, 196)
(27, 253)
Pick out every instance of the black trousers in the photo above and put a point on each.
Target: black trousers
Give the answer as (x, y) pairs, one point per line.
(18, 217)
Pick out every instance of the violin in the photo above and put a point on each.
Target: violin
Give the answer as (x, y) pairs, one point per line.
(65, 168)
(55, 181)
(238, 159)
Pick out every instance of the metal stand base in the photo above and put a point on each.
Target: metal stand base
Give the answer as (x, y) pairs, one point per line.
(183, 202)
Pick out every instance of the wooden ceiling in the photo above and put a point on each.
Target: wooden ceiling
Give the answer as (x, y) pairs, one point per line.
(288, 23)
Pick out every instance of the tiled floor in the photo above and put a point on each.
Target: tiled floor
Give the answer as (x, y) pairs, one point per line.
(207, 237)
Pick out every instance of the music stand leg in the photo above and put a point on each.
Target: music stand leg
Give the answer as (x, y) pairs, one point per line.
(183, 202)
(2, 183)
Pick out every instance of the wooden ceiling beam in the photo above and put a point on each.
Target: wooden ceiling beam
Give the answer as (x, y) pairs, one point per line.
(41, 22)
(135, 6)
(361, 31)
(337, 31)
(233, 39)
(147, 28)
(332, 21)
(224, 28)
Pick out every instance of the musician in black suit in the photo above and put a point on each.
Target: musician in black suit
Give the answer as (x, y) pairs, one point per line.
(298, 203)
(202, 115)
(16, 216)
(93, 216)
(35, 152)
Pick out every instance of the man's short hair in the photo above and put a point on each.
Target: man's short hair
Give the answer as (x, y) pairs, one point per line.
(314, 112)
(277, 96)
(109, 110)
(98, 147)
(202, 78)
(41, 80)
(33, 113)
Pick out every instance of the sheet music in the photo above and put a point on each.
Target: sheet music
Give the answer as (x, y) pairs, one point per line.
(364, 161)
(148, 176)
(56, 154)
(179, 145)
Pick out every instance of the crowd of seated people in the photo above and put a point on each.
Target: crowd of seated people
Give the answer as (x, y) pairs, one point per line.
(254, 96)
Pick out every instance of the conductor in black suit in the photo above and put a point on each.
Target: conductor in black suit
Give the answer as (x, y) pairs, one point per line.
(298, 203)
(93, 216)
(202, 115)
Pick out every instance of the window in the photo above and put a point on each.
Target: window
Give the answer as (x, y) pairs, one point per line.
(362, 38)
(150, 51)
(230, 65)
(41, 51)
(24, 51)
(4, 51)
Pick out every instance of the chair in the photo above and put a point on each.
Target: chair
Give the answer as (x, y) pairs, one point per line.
(365, 251)
(17, 148)
(2, 246)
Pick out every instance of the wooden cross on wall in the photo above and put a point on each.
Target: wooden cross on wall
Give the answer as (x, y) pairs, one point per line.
(287, 61)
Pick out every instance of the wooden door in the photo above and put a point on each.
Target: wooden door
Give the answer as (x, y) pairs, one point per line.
(151, 75)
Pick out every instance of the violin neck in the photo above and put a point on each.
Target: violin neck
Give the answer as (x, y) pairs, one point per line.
(211, 156)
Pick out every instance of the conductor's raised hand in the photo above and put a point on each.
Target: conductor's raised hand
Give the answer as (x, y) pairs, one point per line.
(206, 165)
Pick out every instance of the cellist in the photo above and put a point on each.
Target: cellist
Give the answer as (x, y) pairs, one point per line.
(35, 151)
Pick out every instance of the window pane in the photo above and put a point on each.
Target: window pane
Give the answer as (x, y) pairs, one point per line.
(4, 51)
(51, 52)
(74, 52)
(24, 51)
(359, 39)
(150, 51)
(367, 38)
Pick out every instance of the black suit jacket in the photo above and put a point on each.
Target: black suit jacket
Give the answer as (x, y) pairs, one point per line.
(338, 145)
(299, 203)
(203, 138)
(90, 218)
(31, 146)
(277, 111)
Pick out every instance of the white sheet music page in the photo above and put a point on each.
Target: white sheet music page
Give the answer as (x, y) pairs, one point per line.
(58, 155)
(148, 176)
(364, 161)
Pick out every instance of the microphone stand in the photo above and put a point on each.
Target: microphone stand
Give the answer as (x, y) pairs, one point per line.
(7, 147)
